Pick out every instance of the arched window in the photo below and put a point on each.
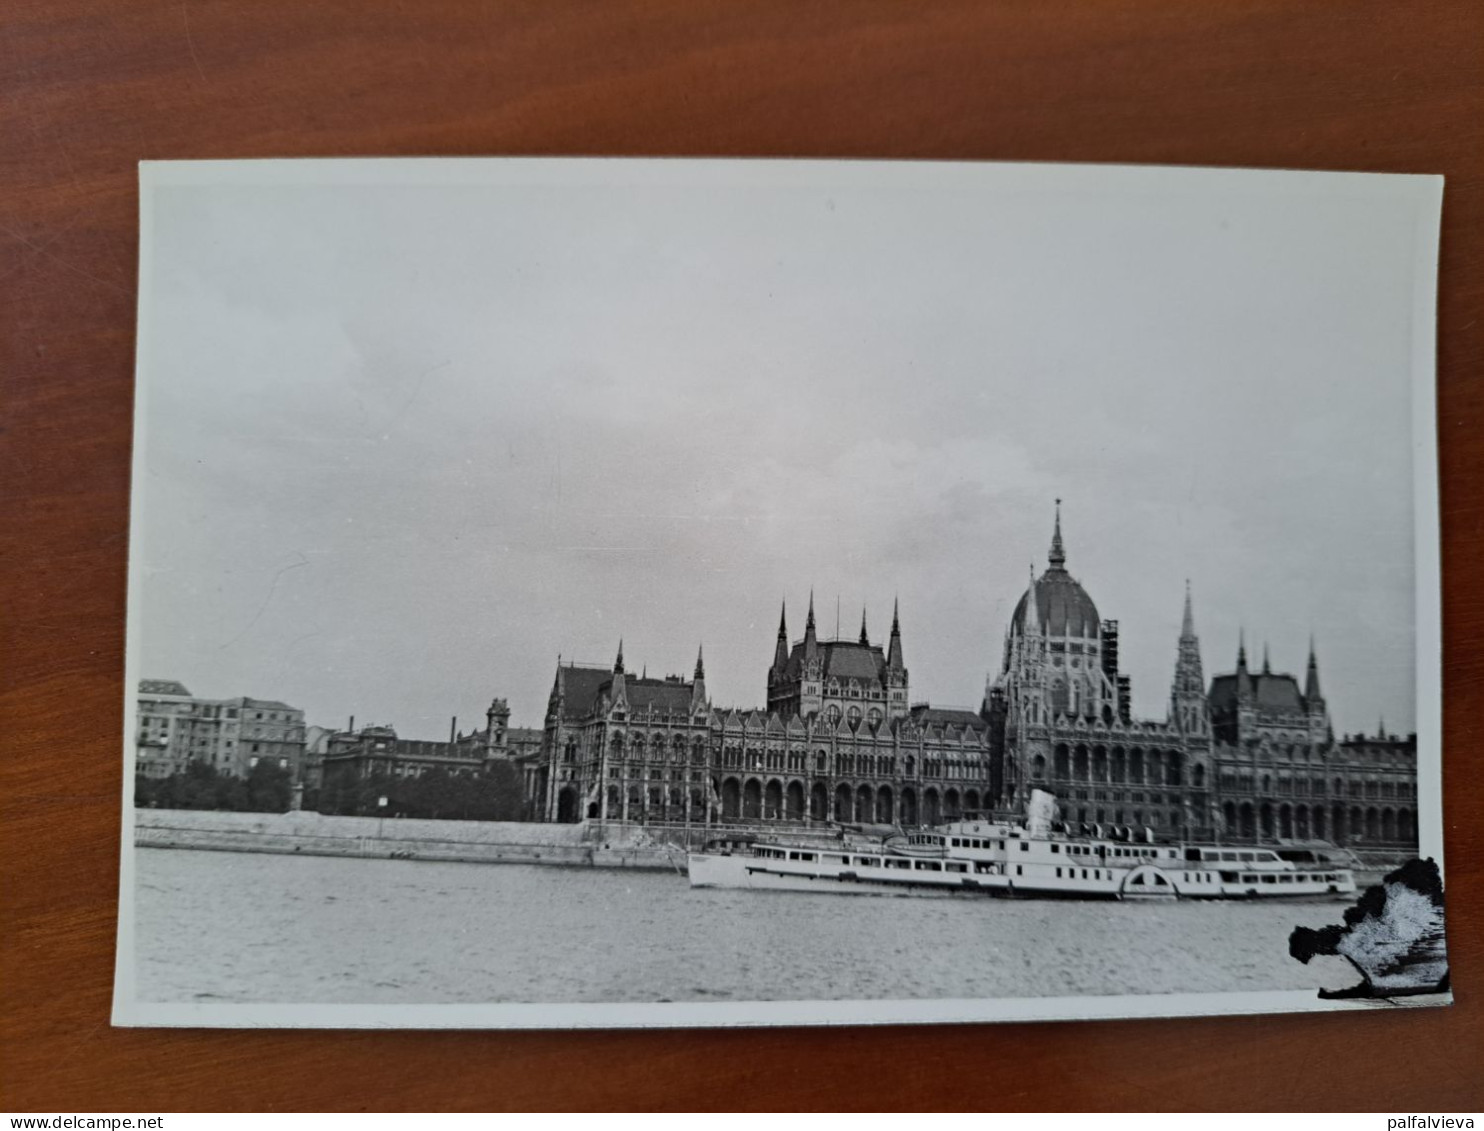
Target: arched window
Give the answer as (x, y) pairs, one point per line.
(1173, 767)
(853, 716)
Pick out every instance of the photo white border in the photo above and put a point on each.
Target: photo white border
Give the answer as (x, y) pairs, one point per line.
(1425, 195)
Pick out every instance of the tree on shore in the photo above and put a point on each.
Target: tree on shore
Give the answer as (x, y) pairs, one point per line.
(270, 788)
(495, 793)
(267, 789)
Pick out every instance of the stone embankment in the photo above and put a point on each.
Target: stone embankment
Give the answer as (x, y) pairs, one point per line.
(591, 845)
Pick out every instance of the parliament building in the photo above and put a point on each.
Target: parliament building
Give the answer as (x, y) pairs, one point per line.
(1251, 757)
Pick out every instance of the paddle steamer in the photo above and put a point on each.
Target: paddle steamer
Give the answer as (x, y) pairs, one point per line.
(1035, 858)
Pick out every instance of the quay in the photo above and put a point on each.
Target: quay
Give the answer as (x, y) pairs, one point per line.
(589, 845)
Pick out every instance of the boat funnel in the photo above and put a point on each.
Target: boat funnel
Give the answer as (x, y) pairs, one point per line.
(1040, 812)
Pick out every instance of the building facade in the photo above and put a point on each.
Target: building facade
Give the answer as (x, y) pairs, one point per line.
(1068, 724)
(175, 728)
(378, 754)
(1252, 757)
(1249, 757)
(840, 742)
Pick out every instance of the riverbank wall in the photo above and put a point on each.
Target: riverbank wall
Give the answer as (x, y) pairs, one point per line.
(593, 845)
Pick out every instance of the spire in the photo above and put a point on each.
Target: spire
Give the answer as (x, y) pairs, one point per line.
(1032, 624)
(553, 701)
(780, 650)
(864, 638)
(1267, 668)
(1311, 684)
(1058, 555)
(810, 640)
(894, 659)
(1189, 690)
(698, 688)
(1245, 687)
(618, 690)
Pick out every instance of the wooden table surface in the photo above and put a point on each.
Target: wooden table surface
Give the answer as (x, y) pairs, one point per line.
(88, 88)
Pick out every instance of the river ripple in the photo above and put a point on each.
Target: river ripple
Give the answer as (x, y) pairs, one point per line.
(222, 926)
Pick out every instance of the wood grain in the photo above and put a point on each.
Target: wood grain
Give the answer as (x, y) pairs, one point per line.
(89, 88)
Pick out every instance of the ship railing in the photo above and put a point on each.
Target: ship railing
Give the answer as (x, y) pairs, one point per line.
(696, 834)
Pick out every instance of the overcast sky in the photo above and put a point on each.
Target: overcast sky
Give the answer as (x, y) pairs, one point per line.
(405, 443)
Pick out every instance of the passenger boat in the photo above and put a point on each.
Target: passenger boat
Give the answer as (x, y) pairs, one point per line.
(1036, 858)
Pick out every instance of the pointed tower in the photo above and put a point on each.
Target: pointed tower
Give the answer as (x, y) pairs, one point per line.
(556, 699)
(1314, 704)
(1267, 668)
(698, 687)
(1188, 705)
(1026, 736)
(1032, 609)
(1058, 555)
(811, 641)
(896, 670)
(1311, 683)
(811, 681)
(1032, 628)
(894, 659)
(780, 649)
(864, 638)
(1246, 712)
(619, 695)
(1031, 656)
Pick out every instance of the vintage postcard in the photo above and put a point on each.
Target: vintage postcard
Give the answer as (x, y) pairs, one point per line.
(623, 592)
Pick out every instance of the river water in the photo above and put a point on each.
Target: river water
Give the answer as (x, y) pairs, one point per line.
(238, 927)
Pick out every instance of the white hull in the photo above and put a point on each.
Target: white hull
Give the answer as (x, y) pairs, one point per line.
(745, 871)
(838, 872)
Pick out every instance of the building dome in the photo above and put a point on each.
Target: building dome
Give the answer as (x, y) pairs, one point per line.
(1065, 608)
(1062, 605)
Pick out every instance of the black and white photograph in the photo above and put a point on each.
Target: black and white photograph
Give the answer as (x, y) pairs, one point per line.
(599, 592)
